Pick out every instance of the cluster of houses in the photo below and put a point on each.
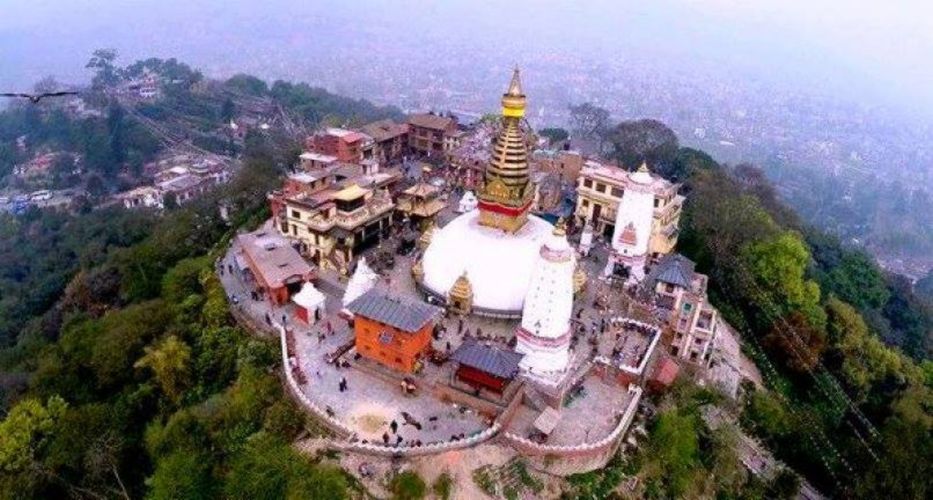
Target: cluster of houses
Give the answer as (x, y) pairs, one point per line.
(177, 179)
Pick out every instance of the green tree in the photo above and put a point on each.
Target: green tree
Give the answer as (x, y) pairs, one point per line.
(267, 467)
(227, 111)
(554, 135)
(649, 141)
(779, 265)
(407, 485)
(674, 443)
(105, 73)
(863, 360)
(25, 429)
(184, 475)
(170, 362)
(589, 120)
(248, 84)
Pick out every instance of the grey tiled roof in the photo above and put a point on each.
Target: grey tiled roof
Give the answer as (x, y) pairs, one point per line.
(674, 269)
(502, 363)
(405, 315)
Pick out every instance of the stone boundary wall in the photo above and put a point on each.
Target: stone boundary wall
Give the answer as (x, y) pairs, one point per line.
(602, 446)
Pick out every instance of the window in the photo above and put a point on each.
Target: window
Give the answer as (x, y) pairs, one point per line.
(688, 307)
(587, 183)
(600, 187)
(656, 202)
(585, 203)
(617, 192)
(296, 214)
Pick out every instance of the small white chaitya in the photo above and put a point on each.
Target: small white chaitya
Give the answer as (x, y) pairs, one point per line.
(468, 202)
(544, 334)
(363, 280)
(586, 239)
(632, 231)
(309, 302)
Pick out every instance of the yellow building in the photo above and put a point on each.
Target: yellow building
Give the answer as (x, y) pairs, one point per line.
(600, 188)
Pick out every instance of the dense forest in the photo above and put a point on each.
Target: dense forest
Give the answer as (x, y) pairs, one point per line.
(123, 374)
(843, 346)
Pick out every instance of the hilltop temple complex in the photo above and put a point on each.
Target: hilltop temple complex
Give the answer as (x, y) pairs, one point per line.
(540, 328)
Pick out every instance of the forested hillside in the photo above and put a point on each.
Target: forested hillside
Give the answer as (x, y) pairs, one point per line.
(844, 348)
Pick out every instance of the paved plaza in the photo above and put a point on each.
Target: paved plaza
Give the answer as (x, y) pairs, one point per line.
(590, 414)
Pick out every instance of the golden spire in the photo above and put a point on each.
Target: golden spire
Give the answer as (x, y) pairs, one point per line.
(506, 195)
(513, 100)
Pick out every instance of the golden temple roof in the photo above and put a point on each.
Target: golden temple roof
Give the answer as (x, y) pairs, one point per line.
(462, 289)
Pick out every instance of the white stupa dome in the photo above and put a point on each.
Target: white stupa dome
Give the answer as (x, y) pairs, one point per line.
(498, 264)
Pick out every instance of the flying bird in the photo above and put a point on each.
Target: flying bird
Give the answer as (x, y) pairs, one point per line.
(35, 98)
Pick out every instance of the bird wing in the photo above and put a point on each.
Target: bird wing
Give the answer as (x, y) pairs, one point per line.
(56, 94)
(11, 94)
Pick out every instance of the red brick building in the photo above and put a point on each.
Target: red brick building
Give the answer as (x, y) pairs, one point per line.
(391, 331)
(344, 145)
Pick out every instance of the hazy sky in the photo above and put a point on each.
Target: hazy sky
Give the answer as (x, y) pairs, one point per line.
(879, 51)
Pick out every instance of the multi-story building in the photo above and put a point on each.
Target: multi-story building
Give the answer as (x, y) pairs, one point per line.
(432, 134)
(600, 188)
(390, 140)
(679, 296)
(335, 222)
(391, 331)
(178, 183)
(344, 145)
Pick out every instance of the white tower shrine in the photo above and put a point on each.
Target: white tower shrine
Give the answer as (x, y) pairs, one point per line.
(632, 232)
(544, 334)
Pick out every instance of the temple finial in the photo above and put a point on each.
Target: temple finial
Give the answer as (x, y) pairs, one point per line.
(515, 86)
